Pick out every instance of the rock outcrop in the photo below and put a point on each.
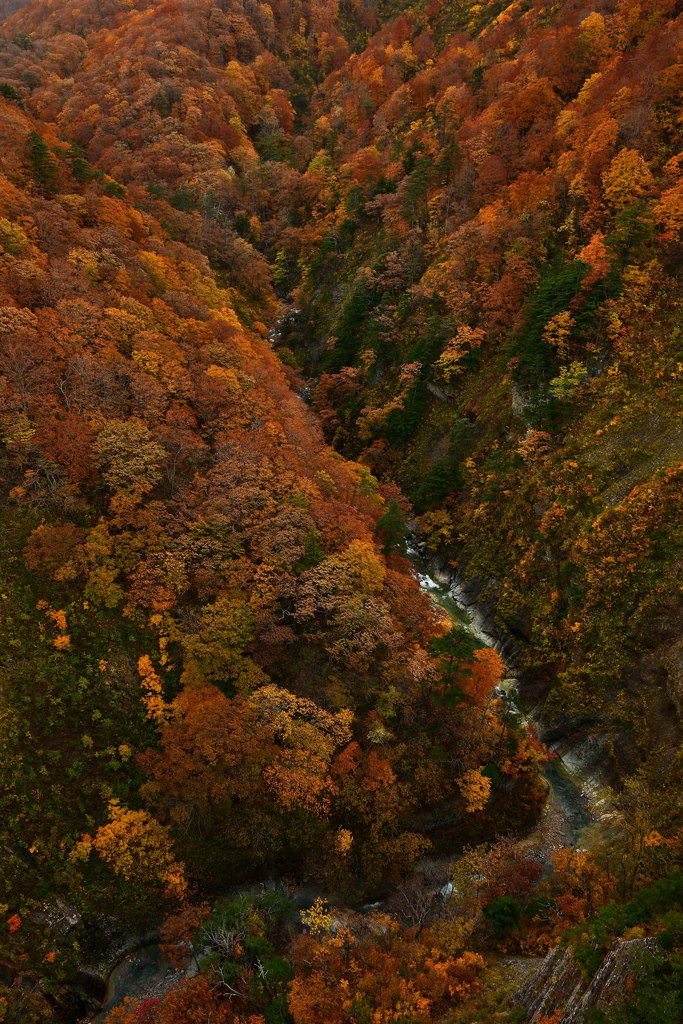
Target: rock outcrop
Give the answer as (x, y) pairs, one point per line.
(559, 985)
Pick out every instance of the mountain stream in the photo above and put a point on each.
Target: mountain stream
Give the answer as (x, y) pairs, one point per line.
(141, 972)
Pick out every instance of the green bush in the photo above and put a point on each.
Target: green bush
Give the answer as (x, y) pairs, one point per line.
(503, 916)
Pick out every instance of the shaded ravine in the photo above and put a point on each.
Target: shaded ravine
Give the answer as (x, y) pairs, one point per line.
(140, 972)
(569, 811)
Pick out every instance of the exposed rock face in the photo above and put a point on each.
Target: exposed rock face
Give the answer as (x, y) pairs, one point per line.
(468, 594)
(585, 752)
(559, 986)
(586, 746)
(520, 401)
(439, 393)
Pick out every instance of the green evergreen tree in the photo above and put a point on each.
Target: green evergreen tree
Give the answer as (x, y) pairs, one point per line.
(80, 166)
(10, 93)
(455, 653)
(43, 163)
(503, 915)
(23, 41)
(392, 529)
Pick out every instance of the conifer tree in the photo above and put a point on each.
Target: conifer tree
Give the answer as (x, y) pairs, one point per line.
(42, 162)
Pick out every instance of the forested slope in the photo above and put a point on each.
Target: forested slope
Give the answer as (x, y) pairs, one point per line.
(217, 667)
(503, 189)
(479, 214)
(212, 672)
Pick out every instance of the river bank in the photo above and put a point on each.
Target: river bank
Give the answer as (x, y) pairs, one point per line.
(572, 807)
(583, 751)
(576, 802)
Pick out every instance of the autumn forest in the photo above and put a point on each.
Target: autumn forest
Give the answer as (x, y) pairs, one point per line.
(341, 465)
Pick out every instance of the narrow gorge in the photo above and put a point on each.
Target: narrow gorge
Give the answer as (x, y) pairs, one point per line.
(341, 384)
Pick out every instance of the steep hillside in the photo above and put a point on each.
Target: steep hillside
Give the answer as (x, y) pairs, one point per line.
(491, 302)
(216, 667)
(455, 229)
(215, 94)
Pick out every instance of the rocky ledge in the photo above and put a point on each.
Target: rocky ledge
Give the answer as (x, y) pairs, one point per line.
(559, 989)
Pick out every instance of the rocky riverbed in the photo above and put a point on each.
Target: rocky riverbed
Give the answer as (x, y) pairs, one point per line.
(136, 968)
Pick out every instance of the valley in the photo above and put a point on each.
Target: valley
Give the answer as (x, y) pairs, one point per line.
(340, 502)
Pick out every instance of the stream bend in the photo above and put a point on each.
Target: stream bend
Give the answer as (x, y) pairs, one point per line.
(142, 973)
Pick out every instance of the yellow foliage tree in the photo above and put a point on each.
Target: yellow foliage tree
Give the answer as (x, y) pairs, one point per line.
(627, 178)
(558, 331)
(475, 788)
(152, 696)
(138, 849)
(317, 918)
